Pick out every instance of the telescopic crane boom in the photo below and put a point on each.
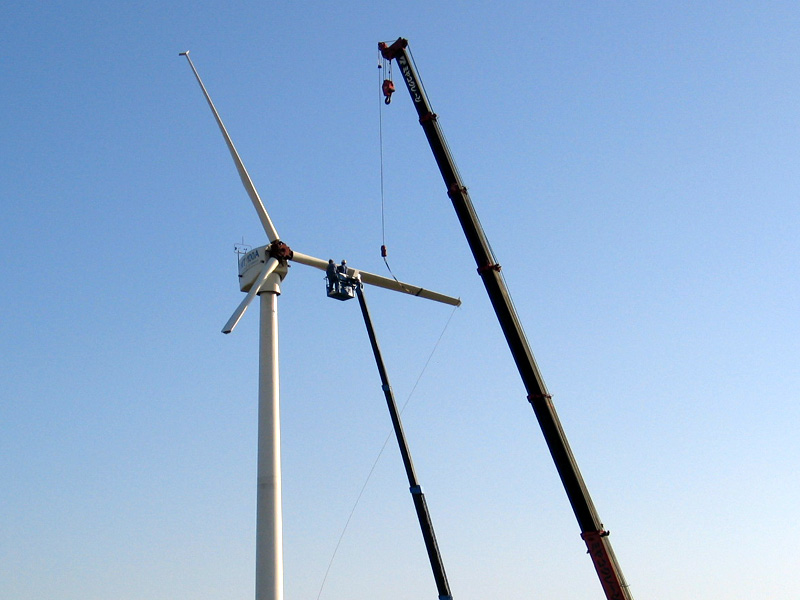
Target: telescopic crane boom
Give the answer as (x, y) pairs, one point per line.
(418, 496)
(592, 530)
(342, 286)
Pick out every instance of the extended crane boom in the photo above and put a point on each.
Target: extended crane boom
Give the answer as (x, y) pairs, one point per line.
(418, 496)
(592, 530)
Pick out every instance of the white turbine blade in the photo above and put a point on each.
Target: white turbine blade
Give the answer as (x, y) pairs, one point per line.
(399, 286)
(269, 267)
(266, 222)
(379, 281)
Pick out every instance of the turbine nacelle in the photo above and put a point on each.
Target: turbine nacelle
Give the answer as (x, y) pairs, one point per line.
(252, 264)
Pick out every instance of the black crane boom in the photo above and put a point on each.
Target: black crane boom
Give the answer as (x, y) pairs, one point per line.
(592, 531)
(420, 505)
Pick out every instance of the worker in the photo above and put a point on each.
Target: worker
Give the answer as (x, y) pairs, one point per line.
(333, 276)
(343, 270)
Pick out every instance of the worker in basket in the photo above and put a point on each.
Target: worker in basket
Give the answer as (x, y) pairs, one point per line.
(340, 285)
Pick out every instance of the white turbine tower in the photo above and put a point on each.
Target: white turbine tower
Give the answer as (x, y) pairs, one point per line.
(260, 273)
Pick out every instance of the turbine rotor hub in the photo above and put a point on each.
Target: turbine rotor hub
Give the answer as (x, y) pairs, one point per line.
(280, 250)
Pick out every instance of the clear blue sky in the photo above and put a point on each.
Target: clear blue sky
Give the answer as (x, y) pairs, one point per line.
(637, 169)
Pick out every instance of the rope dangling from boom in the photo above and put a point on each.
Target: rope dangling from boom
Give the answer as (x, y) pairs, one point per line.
(387, 88)
(383, 67)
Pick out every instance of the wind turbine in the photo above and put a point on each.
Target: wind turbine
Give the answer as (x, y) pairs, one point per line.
(260, 273)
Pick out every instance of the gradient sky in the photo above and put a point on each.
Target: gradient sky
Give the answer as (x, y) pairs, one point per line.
(636, 167)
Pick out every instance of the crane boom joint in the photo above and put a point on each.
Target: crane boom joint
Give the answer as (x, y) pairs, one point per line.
(533, 397)
(489, 267)
(456, 190)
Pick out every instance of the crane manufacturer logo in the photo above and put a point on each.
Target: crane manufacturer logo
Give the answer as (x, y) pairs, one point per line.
(603, 566)
(410, 81)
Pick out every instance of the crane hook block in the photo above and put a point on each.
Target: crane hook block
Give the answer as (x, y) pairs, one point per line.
(388, 90)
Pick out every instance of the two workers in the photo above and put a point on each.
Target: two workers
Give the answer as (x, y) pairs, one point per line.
(336, 274)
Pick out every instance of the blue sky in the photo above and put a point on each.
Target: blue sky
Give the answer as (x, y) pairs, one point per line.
(635, 167)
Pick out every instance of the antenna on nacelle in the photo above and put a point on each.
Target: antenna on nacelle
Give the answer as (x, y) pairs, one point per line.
(241, 250)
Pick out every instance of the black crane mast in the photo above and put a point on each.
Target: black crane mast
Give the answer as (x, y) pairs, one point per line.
(420, 505)
(592, 530)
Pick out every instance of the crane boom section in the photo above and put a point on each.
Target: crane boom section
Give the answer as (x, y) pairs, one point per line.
(592, 531)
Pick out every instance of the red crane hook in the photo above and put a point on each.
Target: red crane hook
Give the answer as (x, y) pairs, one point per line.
(388, 90)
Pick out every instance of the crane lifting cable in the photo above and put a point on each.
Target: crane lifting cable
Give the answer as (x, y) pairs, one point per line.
(384, 66)
(387, 89)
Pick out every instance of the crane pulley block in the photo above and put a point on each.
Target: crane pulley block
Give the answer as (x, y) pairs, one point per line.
(388, 90)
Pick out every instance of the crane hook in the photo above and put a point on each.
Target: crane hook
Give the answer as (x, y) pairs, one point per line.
(388, 90)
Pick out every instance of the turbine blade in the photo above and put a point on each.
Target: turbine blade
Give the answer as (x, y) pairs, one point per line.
(379, 281)
(269, 267)
(399, 286)
(266, 222)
